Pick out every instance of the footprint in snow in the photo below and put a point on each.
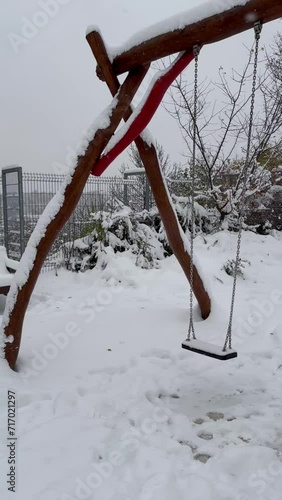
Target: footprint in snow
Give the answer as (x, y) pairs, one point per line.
(198, 421)
(207, 436)
(192, 446)
(215, 415)
(202, 457)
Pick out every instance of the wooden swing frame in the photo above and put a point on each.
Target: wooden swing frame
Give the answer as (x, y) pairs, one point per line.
(135, 61)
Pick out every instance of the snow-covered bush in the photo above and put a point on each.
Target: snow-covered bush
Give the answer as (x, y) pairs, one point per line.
(122, 230)
(206, 220)
(142, 234)
(230, 265)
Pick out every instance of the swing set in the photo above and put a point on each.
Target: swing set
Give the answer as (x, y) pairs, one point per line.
(192, 343)
(137, 126)
(106, 144)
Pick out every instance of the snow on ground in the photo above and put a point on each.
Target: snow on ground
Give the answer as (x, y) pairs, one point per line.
(121, 412)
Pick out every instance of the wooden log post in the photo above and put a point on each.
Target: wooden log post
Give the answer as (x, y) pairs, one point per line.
(13, 319)
(150, 161)
(214, 28)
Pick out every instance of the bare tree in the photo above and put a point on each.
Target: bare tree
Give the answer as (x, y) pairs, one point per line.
(275, 59)
(163, 157)
(222, 128)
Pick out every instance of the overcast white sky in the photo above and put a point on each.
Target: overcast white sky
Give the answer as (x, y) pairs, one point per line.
(49, 90)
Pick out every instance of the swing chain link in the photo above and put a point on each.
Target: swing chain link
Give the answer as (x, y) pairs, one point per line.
(258, 30)
(191, 330)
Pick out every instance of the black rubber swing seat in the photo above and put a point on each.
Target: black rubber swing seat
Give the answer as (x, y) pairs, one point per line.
(209, 350)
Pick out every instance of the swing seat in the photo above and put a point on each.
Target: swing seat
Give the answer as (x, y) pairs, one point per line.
(210, 350)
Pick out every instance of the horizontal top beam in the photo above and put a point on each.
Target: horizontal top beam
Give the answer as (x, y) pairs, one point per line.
(208, 30)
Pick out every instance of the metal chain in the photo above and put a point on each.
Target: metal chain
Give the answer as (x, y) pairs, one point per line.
(228, 340)
(191, 329)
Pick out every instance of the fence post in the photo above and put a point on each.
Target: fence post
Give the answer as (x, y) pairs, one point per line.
(146, 190)
(13, 210)
(125, 189)
(147, 194)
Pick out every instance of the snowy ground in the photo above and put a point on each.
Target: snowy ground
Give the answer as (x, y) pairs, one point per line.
(121, 412)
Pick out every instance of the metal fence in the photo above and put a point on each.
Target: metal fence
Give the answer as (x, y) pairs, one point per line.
(39, 188)
(19, 213)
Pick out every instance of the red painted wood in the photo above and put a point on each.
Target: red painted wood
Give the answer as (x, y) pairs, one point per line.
(149, 158)
(146, 114)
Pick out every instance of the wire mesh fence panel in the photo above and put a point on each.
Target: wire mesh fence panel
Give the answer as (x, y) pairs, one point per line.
(99, 194)
(138, 195)
(13, 211)
(179, 187)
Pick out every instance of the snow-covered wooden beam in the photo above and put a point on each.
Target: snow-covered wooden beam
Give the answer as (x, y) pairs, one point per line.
(59, 210)
(210, 22)
(149, 157)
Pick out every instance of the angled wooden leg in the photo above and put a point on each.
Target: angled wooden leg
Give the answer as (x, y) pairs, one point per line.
(150, 161)
(20, 294)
